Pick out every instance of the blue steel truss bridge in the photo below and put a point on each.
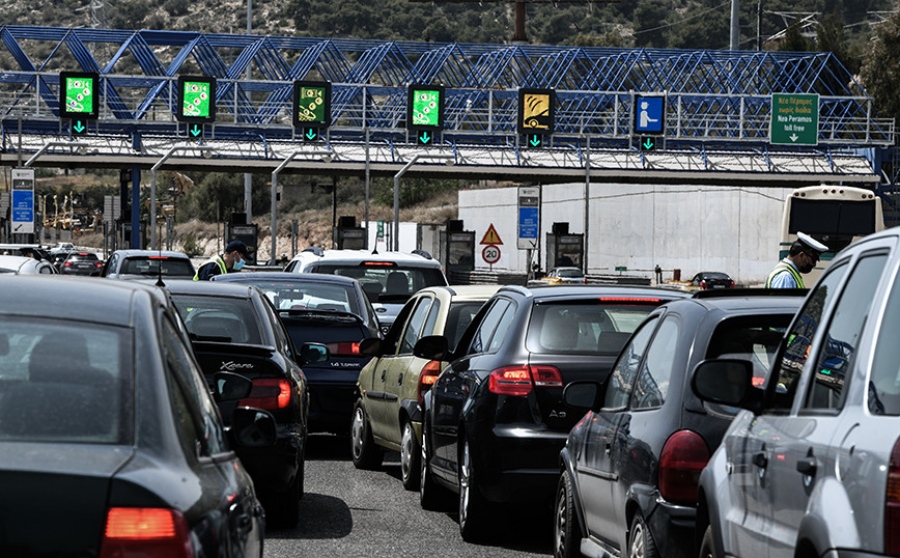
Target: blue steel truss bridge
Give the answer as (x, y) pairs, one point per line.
(718, 108)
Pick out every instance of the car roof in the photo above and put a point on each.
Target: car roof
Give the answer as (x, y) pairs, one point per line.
(568, 290)
(355, 256)
(738, 300)
(217, 288)
(129, 253)
(86, 298)
(14, 262)
(465, 292)
(287, 277)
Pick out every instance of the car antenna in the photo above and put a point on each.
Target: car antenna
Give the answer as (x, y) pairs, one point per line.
(159, 281)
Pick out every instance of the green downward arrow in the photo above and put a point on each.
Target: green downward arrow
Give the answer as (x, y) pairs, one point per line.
(424, 138)
(196, 130)
(311, 134)
(535, 140)
(648, 144)
(78, 127)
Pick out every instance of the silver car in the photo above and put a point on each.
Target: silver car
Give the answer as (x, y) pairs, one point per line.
(811, 465)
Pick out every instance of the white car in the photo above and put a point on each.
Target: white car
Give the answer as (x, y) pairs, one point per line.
(24, 265)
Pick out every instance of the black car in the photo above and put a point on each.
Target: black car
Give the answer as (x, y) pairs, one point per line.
(81, 263)
(712, 280)
(234, 328)
(629, 471)
(110, 443)
(494, 419)
(328, 309)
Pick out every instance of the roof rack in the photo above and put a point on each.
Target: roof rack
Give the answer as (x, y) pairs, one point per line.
(423, 253)
(317, 250)
(748, 291)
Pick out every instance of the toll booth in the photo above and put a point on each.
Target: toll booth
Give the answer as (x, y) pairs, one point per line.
(239, 229)
(564, 248)
(347, 235)
(458, 248)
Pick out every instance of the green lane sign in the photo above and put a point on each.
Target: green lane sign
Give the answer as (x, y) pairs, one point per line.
(79, 95)
(196, 99)
(312, 105)
(794, 119)
(425, 107)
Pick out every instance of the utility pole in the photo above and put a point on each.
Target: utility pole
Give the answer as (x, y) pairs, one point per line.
(735, 25)
(248, 177)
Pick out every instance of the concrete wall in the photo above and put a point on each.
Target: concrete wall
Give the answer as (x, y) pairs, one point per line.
(691, 228)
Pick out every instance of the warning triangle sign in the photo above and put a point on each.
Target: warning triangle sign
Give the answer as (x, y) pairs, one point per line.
(491, 236)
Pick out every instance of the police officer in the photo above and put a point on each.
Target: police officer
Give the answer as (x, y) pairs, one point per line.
(231, 260)
(801, 258)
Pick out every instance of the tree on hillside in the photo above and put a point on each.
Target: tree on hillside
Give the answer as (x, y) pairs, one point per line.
(880, 72)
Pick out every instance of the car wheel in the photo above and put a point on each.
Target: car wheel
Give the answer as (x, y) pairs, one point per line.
(708, 544)
(366, 455)
(567, 533)
(473, 510)
(640, 542)
(409, 457)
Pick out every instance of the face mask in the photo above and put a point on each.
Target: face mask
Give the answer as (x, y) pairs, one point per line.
(238, 265)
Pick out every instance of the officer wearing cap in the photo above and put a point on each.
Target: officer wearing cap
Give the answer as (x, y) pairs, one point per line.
(801, 258)
(231, 260)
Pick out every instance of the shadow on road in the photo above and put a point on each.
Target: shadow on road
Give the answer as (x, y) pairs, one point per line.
(322, 517)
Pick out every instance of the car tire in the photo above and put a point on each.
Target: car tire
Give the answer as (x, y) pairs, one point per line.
(365, 454)
(640, 541)
(432, 496)
(410, 454)
(708, 544)
(473, 507)
(567, 531)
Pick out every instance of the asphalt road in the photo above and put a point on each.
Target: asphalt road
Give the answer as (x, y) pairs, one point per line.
(351, 513)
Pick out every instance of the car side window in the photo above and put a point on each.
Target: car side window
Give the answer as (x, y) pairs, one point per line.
(431, 320)
(414, 326)
(486, 329)
(783, 383)
(196, 415)
(884, 383)
(621, 378)
(843, 334)
(653, 381)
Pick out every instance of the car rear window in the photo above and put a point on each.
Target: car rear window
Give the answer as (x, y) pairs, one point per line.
(753, 338)
(310, 296)
(151, 266)
(217, 319)
(387, 280)
(63, 382)
(585, 326)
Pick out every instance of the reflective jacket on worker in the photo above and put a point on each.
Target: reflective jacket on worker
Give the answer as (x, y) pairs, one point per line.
(213, 266)
(785, 266)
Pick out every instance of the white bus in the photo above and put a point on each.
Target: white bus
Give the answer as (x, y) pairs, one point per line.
(833, 215)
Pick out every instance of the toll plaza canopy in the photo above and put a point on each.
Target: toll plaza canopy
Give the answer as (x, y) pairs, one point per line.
(255, 102)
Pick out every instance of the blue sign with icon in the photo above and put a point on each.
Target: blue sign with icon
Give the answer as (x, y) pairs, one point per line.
(649, 114)
(528, 223)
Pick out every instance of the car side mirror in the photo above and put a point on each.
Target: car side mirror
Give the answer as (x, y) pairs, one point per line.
(582, 395)
(312, 353)
(432, 347)
(725, 382)
(253, 428)
(228, 386)
(370, 346)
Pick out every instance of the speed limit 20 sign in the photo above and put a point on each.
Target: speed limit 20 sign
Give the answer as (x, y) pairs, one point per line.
(491, 254)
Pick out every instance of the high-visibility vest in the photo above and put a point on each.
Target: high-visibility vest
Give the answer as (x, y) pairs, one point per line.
(223, 268)
(781, 268)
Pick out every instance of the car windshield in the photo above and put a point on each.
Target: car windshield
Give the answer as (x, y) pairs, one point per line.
(591, 327)
(570, 273)
(151, 266)
(317, 295)
(218, 319)
(63, 382)
(388, 283)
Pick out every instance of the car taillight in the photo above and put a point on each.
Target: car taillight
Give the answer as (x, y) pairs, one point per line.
(67, 264)
(343, 349)
(98, 264)
(519, 380)
(268, 394)
(703, 284)
(145, 532)
(683, 456)
(427, 377)
(892, 505)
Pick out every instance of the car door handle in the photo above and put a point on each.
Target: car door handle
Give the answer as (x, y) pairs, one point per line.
(400, 380)
(760, 460)
(608, 449)
(807, 466)
(383, 374)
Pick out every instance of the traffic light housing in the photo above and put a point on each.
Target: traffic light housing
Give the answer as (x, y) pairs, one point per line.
(425, 112)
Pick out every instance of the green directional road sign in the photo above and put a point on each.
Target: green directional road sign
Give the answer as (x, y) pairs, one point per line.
(195, 130)
(79, 95)
(196, 99)
(312, 105)
(310, 134)
(534, 140)
(79, 126)
(425, 108)
(794, 119)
